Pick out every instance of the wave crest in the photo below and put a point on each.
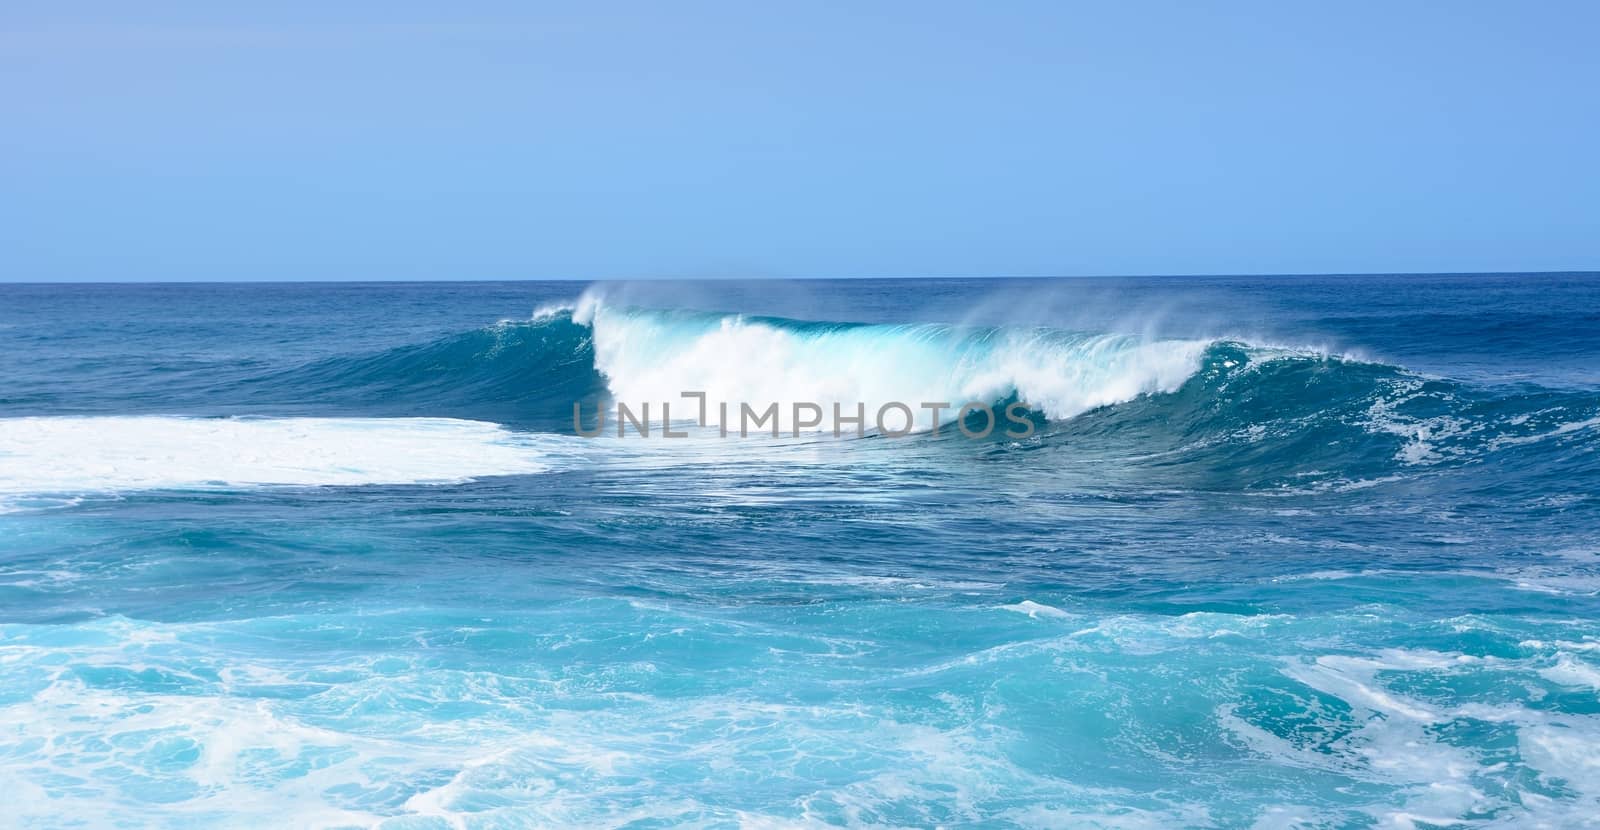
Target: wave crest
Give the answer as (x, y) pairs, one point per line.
(654, 356)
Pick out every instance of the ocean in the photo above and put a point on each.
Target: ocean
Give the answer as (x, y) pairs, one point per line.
(1274, 552)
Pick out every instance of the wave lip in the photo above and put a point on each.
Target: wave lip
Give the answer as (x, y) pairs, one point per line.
(112, 454)
(655, 356)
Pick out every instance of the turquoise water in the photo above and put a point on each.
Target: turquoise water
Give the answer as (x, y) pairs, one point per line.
(1281, 552)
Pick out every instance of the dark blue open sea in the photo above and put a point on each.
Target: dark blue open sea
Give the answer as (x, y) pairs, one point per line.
(1279, 552)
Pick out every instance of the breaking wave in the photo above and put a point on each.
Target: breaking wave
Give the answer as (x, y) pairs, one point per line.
(1220, 412)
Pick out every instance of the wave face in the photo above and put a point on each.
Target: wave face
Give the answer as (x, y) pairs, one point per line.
(521, 373)
(1257, 417)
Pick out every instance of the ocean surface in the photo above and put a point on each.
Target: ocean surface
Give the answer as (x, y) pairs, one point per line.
(1280, 552)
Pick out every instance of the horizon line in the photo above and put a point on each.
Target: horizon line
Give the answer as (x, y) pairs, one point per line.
(468, 281)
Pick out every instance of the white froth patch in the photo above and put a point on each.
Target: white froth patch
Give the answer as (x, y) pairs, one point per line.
(1571, 672)
(72, 455)
(550, 310)
(1035, 609)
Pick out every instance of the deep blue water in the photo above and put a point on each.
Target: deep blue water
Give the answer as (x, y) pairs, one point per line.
(1318, 552)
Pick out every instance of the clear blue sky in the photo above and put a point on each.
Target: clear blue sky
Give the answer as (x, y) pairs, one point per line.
(396, 140)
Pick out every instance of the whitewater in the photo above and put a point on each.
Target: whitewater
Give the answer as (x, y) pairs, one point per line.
(1276, 552)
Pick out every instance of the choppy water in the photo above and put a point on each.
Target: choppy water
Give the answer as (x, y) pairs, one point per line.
(1281, 552)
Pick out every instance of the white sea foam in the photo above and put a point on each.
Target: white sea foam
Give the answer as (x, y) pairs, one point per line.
(1035, 609)
(1569, 671)
(549, 310)
(368, 747)
(655, 357)
(1424, 437)
(1441, 781)
(78, 455)
(1557, 431)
